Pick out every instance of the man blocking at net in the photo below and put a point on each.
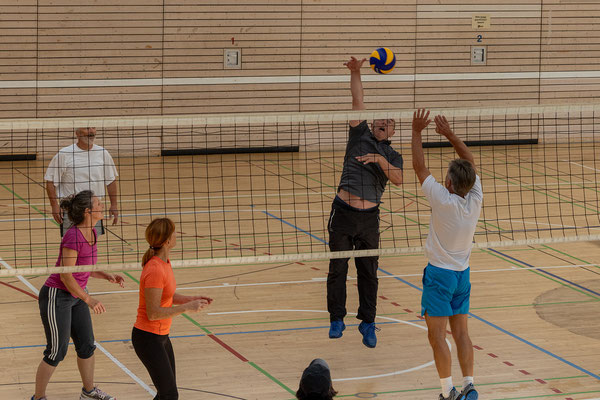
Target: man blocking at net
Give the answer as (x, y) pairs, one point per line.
(81, 166)
(353, 224)
(455, 209)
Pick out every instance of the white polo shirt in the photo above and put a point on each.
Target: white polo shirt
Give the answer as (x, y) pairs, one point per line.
(73, 170)
(452, 225)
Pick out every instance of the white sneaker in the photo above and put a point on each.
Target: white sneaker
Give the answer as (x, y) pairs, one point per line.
(95, 394)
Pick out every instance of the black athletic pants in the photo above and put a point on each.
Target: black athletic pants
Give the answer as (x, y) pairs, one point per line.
(352, 229)
(65, 316)
(156, 353)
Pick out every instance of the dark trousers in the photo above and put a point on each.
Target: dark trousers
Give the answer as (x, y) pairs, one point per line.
(352, 229)
(65, 316)
(156, 353)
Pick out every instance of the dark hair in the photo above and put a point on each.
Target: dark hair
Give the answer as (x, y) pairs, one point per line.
(157, 233)
(462, 176)
(75, 205)
(300, 395)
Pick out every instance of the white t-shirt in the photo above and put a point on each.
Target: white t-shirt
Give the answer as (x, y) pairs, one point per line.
(73, 170)
(452, 225)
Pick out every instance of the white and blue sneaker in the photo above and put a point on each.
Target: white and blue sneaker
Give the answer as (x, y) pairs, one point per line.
(469, 393)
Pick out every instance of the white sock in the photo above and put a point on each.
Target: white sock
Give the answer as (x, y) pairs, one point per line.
(446, 386)
(467, 380)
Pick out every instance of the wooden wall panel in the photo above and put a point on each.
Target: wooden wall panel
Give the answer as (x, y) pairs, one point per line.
(570, 42)
(67, 58)
(444, 39)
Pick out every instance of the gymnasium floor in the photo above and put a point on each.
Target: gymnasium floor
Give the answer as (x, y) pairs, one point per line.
(534, 309)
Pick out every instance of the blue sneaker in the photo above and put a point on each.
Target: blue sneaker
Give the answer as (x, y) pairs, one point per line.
(336, 329)
(41, 398)
(368, 332)
(469, 393)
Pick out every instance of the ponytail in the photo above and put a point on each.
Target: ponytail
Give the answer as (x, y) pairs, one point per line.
(157, 233)
(75, 205)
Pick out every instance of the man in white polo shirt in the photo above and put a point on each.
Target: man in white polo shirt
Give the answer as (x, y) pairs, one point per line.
(81, 166)
(455, 208)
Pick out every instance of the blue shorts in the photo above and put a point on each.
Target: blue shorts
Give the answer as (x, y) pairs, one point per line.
(445, 292)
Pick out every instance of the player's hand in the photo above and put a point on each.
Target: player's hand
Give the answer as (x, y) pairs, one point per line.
(354, 64)
(96, 306)
(442, 126)
(196, 305)
(368, 158)
(208, 300)
(57, 214)
(420, 120)
(114, 211)
(115, 278)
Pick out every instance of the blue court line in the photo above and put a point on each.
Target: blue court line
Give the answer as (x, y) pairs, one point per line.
(473, 315)
(292, 225)
(548, 273)
(216, 334)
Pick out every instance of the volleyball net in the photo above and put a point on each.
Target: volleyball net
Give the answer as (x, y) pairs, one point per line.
(258, 188)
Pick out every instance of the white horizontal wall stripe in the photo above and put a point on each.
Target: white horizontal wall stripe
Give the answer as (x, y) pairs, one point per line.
(241, 80)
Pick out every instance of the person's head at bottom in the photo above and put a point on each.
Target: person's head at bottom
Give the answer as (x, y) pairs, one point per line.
(315, 383)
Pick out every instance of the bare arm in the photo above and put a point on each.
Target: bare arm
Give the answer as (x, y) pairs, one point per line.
(156, 312)
(443, 128)
(394, 174)
(51, 190)
(420, 122)
(112, 278)
(69, 258)
(112, 194)
(356, 87)
(182, 299)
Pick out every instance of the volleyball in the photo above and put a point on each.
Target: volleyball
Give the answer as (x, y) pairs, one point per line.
(383, 60)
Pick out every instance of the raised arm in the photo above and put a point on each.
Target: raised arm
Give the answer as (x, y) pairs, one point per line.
(356, 87)
(420, 122)
(443, 128)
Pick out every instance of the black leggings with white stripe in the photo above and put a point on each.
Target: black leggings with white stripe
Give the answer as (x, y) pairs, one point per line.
(65, 316)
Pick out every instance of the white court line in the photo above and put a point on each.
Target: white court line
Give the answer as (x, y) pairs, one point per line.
(581, 165)
(320, 280)
(98, 345)
(404, 371)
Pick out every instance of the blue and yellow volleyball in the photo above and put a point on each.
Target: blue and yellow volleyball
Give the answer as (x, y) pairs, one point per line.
(383, 60)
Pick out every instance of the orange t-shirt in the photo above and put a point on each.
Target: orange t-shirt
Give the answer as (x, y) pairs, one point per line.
(156, 274)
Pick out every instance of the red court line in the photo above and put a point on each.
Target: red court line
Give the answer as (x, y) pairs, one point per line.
(20, 290)
(524, 372)
(226, 346)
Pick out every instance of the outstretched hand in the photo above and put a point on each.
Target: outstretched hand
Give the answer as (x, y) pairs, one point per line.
(420, 120)
(354, 64)
(442, 126)
(114, 278)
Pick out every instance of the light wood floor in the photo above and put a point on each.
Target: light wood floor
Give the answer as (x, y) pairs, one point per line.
(535, 309)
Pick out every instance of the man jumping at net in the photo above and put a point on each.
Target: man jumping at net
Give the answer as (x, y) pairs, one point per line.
(353, 224)
(455, 208)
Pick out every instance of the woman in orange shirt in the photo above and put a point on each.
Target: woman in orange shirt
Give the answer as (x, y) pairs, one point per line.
(158, 305)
